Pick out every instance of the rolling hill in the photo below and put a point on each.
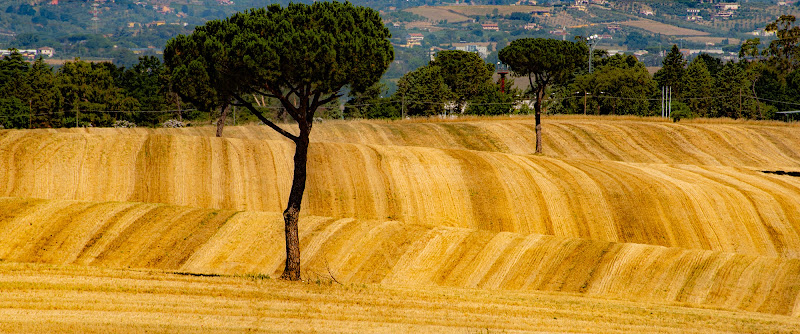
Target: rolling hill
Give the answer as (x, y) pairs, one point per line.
(391, 253)
(690, 215)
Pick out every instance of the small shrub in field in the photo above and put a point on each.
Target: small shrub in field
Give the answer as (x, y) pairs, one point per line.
(173, 123)
(124, 124)
(680, 110)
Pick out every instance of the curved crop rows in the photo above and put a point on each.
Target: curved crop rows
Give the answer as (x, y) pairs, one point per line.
(40, 298)
(726, 144)
(697, 207)
(140, 235)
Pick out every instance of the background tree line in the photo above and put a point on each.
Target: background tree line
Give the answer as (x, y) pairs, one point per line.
(764, 80)
(81, 93)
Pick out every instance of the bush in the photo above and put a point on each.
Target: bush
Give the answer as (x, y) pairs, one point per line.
(173, 123)
(680, 110)
(124, 124)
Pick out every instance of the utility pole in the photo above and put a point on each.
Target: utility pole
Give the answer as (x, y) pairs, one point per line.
(669, 102)
(30, 114)
(584, 102)
(95, 11)
(740, 101)
(592, 42)
(502, 69)
(403, 107)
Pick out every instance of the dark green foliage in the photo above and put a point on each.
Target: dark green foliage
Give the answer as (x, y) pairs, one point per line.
(146, 85)
(713, 64)
(636, 40)
(301, 55)
(698, 88)
(455, 82)
(783, 53)
(464, 73)
(12, 66)
(680, 110)
(490, 101)
(672, 71)
(371, 103)
(13, 113)
(321, 49)
(423, 92)
(619, 85)
(545, 62)
(44, 98)
(731, 89)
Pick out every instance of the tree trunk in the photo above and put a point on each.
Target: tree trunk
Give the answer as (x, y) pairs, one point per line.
(221, 120)
(537, 106)
(291, 216)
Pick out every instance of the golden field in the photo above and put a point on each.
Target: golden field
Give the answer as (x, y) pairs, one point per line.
(663, 28)
(438, 221)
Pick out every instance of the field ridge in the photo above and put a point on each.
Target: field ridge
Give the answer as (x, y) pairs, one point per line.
(392, 253)
(698, 207)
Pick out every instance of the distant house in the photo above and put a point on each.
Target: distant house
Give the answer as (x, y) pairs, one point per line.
(482, 51)
(541, 12)
(532, 26)
(411, 43)
(490, 26)
(726, 14)
(647, 12)
(46, 51)
(693, 14)
(415, 36)
(761, 33)
(727, 6)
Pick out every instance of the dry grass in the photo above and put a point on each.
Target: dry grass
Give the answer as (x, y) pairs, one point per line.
(437, 14)
(488, 10)
(685, 195)
(663, 28)
(37, 298)
(714, 40)
(391, 253)
(622, 217)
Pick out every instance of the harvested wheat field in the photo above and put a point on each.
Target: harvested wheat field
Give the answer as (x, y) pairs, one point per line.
(41, 298)
(622, 225)
(663, 28)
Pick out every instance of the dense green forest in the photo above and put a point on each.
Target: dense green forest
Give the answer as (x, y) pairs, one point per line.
(83, 94)
(138, 89)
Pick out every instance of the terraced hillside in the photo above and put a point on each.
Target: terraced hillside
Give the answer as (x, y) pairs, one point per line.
(737, 144)
(171, 238)
(643, 211)
(718, 208)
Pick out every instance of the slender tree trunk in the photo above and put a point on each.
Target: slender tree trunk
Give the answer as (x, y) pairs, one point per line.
(222, 117)
(537, 106)
(291, 216)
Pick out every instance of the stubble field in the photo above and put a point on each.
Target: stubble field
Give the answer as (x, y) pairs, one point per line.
(623, 224)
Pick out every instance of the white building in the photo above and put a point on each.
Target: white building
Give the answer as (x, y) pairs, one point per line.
(482, 51)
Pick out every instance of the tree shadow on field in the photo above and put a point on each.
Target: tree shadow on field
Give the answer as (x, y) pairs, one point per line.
(781, 172)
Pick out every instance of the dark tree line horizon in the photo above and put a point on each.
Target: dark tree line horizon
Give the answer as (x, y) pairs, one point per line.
(763, 81)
